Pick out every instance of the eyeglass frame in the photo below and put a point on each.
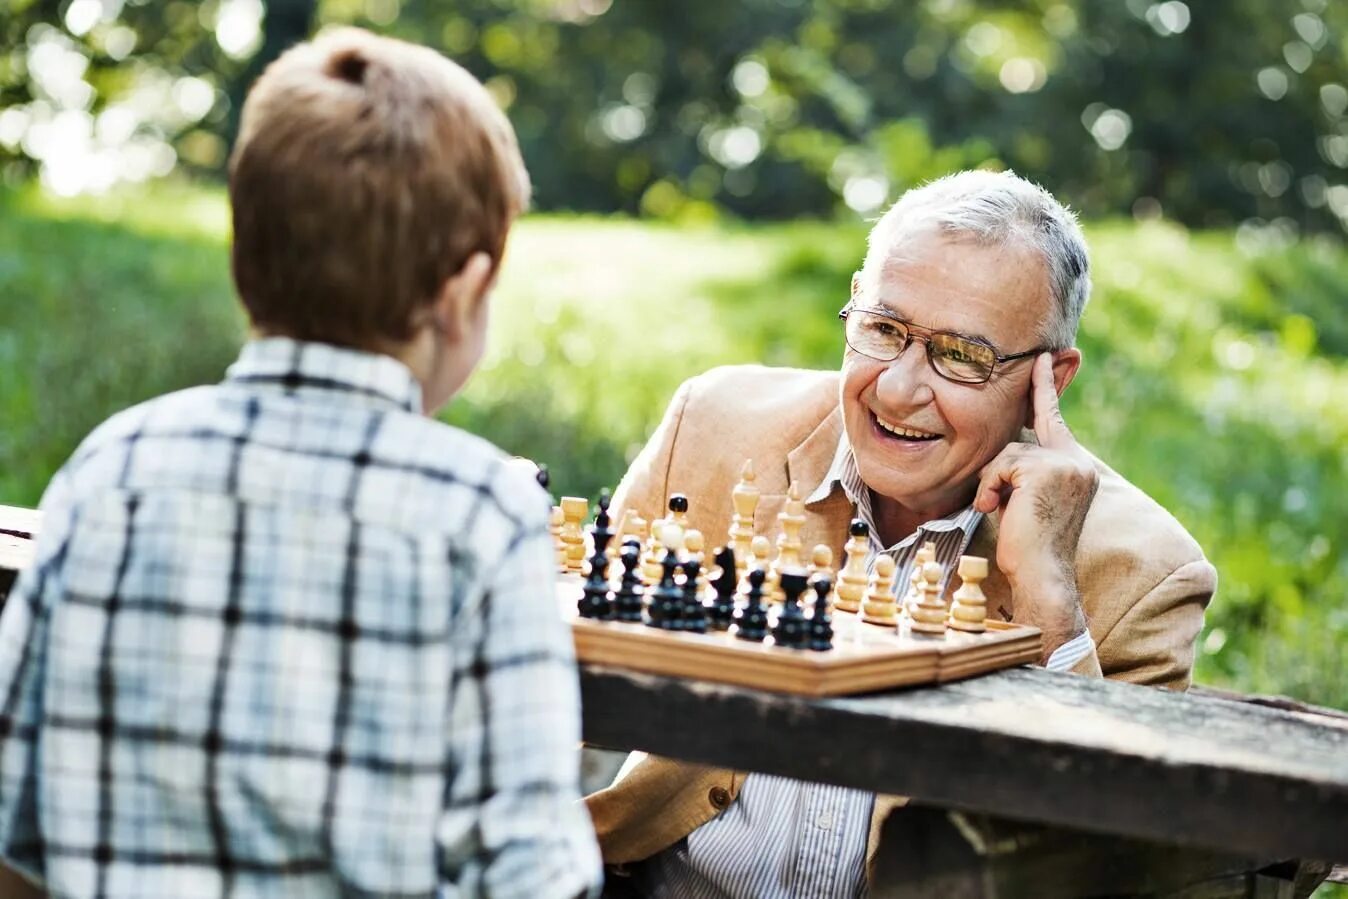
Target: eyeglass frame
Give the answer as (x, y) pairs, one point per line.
(925, 335)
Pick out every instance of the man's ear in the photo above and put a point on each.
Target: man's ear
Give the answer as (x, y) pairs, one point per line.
(460, 300)
(1066, 364)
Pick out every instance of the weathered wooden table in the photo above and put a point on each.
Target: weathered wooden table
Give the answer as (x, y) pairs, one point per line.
(1030, 783)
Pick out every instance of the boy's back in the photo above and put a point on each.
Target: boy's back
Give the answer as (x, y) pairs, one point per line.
(286, 636)
(281, 643)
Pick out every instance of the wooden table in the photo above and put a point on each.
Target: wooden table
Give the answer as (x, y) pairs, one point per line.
(1129, 789)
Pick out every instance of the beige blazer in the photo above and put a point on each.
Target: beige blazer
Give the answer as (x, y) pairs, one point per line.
(1144, 581)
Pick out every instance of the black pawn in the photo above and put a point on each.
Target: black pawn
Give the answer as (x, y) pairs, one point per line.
(601, 532)
(751, 622)
(790, 630)
(678, 506)
(542, 476)
(859, 528)
(596, 601)
(666, 603)
(627, 601)
(723, 606)
(694, 616)
(821, 624)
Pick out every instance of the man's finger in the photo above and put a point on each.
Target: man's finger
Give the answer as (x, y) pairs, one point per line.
(1049, 425)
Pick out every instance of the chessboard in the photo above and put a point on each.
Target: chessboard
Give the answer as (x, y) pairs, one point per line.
(864, 657)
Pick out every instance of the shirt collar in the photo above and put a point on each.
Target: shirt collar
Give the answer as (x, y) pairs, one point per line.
(842, 474)
(301, 365)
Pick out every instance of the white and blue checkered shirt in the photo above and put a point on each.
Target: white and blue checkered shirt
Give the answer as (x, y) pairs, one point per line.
(285, 636)
(788, 839)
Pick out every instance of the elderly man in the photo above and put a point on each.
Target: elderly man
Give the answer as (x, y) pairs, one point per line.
(943, 425)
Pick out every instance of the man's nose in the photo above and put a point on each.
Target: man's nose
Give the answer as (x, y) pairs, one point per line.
(906, 381)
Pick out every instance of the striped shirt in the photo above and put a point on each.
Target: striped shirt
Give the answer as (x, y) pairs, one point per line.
(788, 839)
(286, 636)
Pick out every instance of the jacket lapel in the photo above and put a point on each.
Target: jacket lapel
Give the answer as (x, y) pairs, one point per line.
(826, 521)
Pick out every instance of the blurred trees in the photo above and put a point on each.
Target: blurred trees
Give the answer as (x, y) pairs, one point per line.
(1211, 114)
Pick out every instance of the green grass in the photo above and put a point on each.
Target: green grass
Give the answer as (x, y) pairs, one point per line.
(1214, 377)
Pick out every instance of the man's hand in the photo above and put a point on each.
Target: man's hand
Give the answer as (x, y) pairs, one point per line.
(1044, 493)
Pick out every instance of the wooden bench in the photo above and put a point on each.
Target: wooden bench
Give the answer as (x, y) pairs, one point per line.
(1025, 782)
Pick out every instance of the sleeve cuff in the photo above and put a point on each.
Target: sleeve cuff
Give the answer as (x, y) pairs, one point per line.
(1071, 652)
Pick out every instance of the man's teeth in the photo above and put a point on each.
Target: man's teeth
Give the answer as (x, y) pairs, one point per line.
(904, 432)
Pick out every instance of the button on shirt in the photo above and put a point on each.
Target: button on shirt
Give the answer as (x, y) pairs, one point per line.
(788, 838)
(287, 636)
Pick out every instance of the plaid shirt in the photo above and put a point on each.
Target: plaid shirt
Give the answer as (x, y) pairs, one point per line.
(287, 636)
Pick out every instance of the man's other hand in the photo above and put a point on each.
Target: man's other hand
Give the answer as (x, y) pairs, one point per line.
(1043, 492)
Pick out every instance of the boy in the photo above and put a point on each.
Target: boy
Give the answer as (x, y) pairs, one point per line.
(287, 635)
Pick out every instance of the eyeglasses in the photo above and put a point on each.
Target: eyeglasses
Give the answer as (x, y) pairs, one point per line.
(881, 335)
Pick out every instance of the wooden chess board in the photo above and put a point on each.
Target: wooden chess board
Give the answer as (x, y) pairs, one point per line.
(864, 658)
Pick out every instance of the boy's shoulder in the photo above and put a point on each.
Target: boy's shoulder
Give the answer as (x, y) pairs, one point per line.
(114, 437)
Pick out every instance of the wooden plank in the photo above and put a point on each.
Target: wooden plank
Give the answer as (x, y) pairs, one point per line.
(1023, 743)
(19, 522)
(937, 853)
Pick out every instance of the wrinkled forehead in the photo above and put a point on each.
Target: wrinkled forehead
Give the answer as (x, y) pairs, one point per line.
(995, 289)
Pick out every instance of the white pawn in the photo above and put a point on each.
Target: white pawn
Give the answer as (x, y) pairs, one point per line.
(574, 510)
(969, 606)
(925, 553)
(929, 614)
(880, 606)
(653, 554)
(852, 580)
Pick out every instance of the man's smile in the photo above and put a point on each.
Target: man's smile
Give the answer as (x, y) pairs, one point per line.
(893, 430)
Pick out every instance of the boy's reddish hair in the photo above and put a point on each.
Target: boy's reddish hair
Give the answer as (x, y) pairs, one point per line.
(366, 172)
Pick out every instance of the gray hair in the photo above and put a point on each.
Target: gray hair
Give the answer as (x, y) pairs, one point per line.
(995, 209)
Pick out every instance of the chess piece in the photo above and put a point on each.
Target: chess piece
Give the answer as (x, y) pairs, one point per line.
(693, 615)
(745, 500)
(880, 606)
(654, 553)
(925, 553)
(762, 550)
(678, 510)
(722, 610)
(555, 521)
(791, 519)
(852, 580)
(631, 526)
(820, 630)
(596, 600)
(821, 562)
(930, 613)
(969, 606)
(666, 605)
(542, 477)
(790, 630)
(600, 533)
(692, 546)
(751, 622)
(574, 510)
(627, 601)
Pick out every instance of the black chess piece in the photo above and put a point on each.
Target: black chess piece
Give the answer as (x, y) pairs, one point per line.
(542, 476)
(821, 623)
(790, 630)
(596, 600)
(694, 617)
(678, 506)
(723, 606)
(751, 622)
(859, 528)
(666, 605)
(601, 531)
(627, 601)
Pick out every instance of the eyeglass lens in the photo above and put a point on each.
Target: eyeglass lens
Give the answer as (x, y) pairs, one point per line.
(953, 357)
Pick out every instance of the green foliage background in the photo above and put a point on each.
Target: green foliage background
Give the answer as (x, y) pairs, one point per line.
(1216, 370)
